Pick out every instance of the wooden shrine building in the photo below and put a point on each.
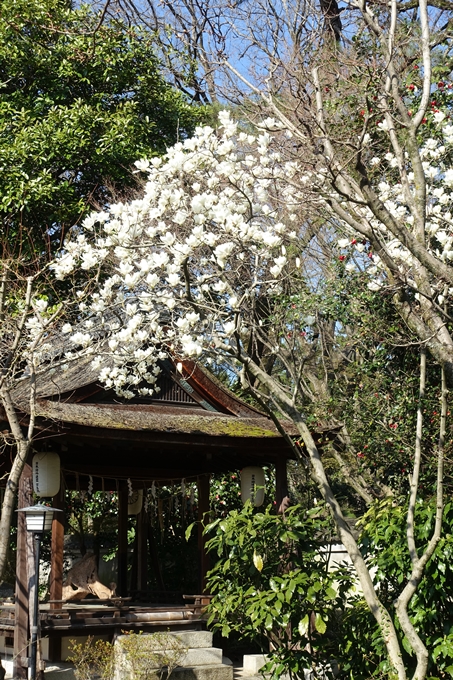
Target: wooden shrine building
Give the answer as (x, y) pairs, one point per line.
(192, 428)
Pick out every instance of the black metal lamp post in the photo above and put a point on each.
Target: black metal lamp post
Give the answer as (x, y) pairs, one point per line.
(38, 519)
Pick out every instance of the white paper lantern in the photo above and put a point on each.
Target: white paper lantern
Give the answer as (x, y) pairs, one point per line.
(252, 485)
(46, 474)
(135, 502)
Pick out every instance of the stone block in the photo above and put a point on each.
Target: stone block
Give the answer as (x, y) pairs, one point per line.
(216, 672)
(154, 655)
(252, 663)
(207, 656)
(193, 639)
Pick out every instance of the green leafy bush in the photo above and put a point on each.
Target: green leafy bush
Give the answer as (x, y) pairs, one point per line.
(92, 659)
(151, 655)
(272, 585)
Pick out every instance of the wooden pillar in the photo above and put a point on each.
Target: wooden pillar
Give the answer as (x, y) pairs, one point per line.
(155, 559)
(21, 630)
(203, 519)
(142, 551)
(133, 571)
(122, 542)
(281, 486)
(56, 569)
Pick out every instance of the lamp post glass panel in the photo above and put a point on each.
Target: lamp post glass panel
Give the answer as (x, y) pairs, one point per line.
(38, 519)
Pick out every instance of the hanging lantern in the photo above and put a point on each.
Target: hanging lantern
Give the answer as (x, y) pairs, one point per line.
(46, 474)
(252, 485)
(135, 502)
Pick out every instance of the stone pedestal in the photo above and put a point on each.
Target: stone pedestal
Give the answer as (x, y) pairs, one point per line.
(192, 654)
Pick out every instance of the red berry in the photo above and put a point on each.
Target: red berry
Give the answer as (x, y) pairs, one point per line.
(440, 84)
(342, 257)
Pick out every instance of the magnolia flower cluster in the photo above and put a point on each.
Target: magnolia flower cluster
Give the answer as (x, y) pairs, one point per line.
(217, 225)
(399, 199)
(217, 221)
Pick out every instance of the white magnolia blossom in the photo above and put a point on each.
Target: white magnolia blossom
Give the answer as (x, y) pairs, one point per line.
(214, 228)
(187, 259)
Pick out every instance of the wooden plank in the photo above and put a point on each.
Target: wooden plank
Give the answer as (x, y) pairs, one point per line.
(21, 636)
(83, 623)
(89, 602)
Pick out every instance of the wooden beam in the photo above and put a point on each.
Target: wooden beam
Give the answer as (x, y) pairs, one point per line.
(122, 542)
(21, 630)
(203, 520)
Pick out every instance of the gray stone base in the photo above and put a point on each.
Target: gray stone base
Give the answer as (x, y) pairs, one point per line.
(196, 660)
(252, 664)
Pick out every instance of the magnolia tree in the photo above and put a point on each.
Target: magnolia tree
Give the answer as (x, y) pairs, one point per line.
(208, 264)
(30, 351)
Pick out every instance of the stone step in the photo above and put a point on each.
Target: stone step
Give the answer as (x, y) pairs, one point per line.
(183, 655)
(147, 649)
(202, 656)
(214, 672)
(193, 639)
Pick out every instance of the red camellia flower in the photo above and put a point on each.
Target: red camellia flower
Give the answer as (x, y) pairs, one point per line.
(440, 84)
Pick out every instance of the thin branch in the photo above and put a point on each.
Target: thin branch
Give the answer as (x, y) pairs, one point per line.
(402, 602)
(417, 460)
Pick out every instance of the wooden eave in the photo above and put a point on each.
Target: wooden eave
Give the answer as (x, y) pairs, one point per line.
(156, 419)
